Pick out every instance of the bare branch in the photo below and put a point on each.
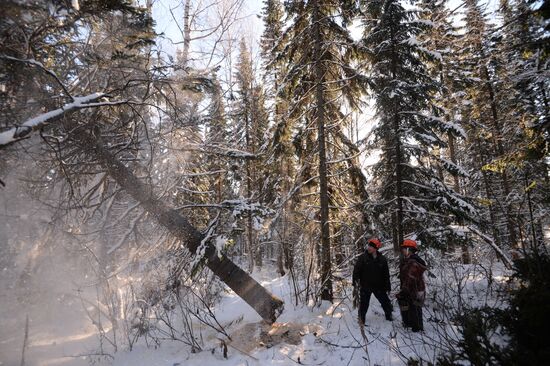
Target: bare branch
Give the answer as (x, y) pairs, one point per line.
(41, 66)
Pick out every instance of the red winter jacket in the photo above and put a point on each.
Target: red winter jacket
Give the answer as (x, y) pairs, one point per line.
(411, 276)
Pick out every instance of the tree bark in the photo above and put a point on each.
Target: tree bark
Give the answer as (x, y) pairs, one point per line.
(531, 216)
(466, 258)
(249, 232)
(497, 140)
(186, 34)
(398, 184)
(326, 293)
(398, 158)
(268, 306)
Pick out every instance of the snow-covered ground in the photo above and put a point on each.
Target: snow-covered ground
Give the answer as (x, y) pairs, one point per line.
(322, 335)
(61, 333)
(328, 334)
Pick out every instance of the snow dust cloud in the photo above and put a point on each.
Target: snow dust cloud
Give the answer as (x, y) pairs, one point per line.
(46, 279)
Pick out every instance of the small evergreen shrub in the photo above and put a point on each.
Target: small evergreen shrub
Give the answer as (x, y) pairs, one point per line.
(517, 334)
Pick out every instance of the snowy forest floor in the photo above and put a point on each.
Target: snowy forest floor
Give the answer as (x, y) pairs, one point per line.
(61, 333)
(321, 335)
(59, 329)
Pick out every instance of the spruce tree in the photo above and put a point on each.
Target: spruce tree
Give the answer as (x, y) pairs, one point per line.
(440, 41)
(279, 148)
(409, 129)
(490, 131)
(318, 52)
(216, 137)
(525, 111)
(250, 124)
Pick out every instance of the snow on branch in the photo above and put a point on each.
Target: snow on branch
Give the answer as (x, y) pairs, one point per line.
(452, 199)
(221, 150)
(230, 152)
(452, 167)
(507, 261)
(430, 139)
(454, 128)
(237, 207)
(17, 133)
(244, 206)
(434, 54)
(411, 41)
(440, 123)
(200, 253)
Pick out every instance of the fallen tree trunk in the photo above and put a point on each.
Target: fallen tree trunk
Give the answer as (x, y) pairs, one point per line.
(264, 303)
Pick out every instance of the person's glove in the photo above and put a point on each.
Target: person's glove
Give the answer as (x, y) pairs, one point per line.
(403, 297)
(355, 295)
(402, 300)
(420, 296)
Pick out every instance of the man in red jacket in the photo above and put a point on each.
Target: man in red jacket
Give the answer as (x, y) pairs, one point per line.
(371, 276)
(413, 288)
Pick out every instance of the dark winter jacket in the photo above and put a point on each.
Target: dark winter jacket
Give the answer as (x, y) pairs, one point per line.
(372, 273)
(411, 275)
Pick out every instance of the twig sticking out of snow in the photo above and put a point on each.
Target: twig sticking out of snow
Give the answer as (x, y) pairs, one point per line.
(241, 351)
(25, 341)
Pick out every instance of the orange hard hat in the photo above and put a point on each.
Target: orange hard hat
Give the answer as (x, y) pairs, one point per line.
(375, 242)
(409, 243)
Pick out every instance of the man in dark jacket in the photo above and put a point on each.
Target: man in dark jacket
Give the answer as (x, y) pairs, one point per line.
(413, 288)
(371, 276)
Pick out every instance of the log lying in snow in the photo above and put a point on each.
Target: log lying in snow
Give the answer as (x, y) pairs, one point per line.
(268, 306)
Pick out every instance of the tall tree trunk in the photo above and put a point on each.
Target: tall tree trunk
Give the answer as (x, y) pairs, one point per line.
(492, 216)
(479, 156)
(265, 304)
(466, 258)
(186, 34)
(531, 216)
(338, 243)
(398, 158)
(542, 88)
(104, 261)
(253, 180)
(249, 233)
(287, 244)
(280, 266)
(477, 144)
(326, 293)
(398, 184)
(497, 140)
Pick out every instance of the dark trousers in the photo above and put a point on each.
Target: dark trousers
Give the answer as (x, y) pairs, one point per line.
(412, 316)
(381, 296)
